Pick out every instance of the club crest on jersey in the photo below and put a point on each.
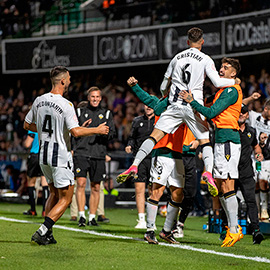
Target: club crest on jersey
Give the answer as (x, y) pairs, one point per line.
(86, 115)
(141, 124)
(101, 116)
(228, 157)
(78, 170)
(70, 104)
(249, 135)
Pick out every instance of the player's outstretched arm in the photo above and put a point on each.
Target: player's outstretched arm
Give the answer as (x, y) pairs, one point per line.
(165, 86)
(249, 99)
(102, 129)
(132, 81)
(144, 97)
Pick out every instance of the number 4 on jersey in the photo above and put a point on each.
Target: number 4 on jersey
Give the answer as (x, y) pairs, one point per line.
(47, 124)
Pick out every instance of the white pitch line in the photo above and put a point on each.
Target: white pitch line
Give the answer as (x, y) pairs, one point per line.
(186, 247)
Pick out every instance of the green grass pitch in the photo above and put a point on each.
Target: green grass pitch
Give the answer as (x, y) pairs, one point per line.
(121, 246)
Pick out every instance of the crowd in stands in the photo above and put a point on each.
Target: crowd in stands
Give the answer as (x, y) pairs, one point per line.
(18, 15)
(15, 103)
(164, 11)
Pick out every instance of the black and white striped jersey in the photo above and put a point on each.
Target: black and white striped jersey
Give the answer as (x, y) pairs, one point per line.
(257, 121)
(54, 117)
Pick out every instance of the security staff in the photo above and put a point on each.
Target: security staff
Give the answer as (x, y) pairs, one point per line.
(246, 174)
(142, 126)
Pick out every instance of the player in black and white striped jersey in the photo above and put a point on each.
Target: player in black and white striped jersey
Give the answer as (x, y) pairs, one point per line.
(54, 118)
(261, 122)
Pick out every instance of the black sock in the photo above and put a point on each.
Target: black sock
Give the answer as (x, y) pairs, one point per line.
(32, 197)
(45, 195)
(187, 207)
(48, 222)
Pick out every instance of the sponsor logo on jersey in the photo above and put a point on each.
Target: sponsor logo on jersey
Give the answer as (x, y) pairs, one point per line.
(70, 104)
(229, 90)
(101, 116)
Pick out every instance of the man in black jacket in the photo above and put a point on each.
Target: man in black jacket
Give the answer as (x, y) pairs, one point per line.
(89, 154)
(246, 174)
(142, 127)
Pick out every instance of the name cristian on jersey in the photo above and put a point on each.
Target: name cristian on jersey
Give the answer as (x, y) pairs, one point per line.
(50, 105)
(190, 54)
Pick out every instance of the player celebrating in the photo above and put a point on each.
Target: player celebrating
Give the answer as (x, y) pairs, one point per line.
(225, 113)
(187, 70)
(53, 117)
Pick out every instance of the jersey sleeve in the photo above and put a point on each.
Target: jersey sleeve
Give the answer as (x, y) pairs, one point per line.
(228, 97)
(252, 118)
(148, 100)
(71, 119)
(31, 115)
(212, 73)
(170, 68)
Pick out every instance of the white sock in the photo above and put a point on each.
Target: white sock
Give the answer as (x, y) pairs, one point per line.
(145, 149)
(208, 158)
(151, 210)
(82, 214)
(141, 216)
(223, 204)
(264, 199)
(232, 208)
(91, 216)
(172, 212)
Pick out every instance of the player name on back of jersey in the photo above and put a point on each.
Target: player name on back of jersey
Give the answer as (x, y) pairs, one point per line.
(190, 54)
(50, 104)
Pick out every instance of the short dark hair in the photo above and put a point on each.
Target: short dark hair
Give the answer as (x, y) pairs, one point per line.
(92, 89)
(195, 34)
(234, 63)
(55, 72)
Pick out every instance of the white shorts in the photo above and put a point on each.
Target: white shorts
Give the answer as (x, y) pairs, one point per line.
(264, 174)
(167, 170)
(174, 116)
(226, 160)
(59, 176)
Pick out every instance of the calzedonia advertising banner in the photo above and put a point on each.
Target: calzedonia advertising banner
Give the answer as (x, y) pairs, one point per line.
(234, 35)
(34, 55)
